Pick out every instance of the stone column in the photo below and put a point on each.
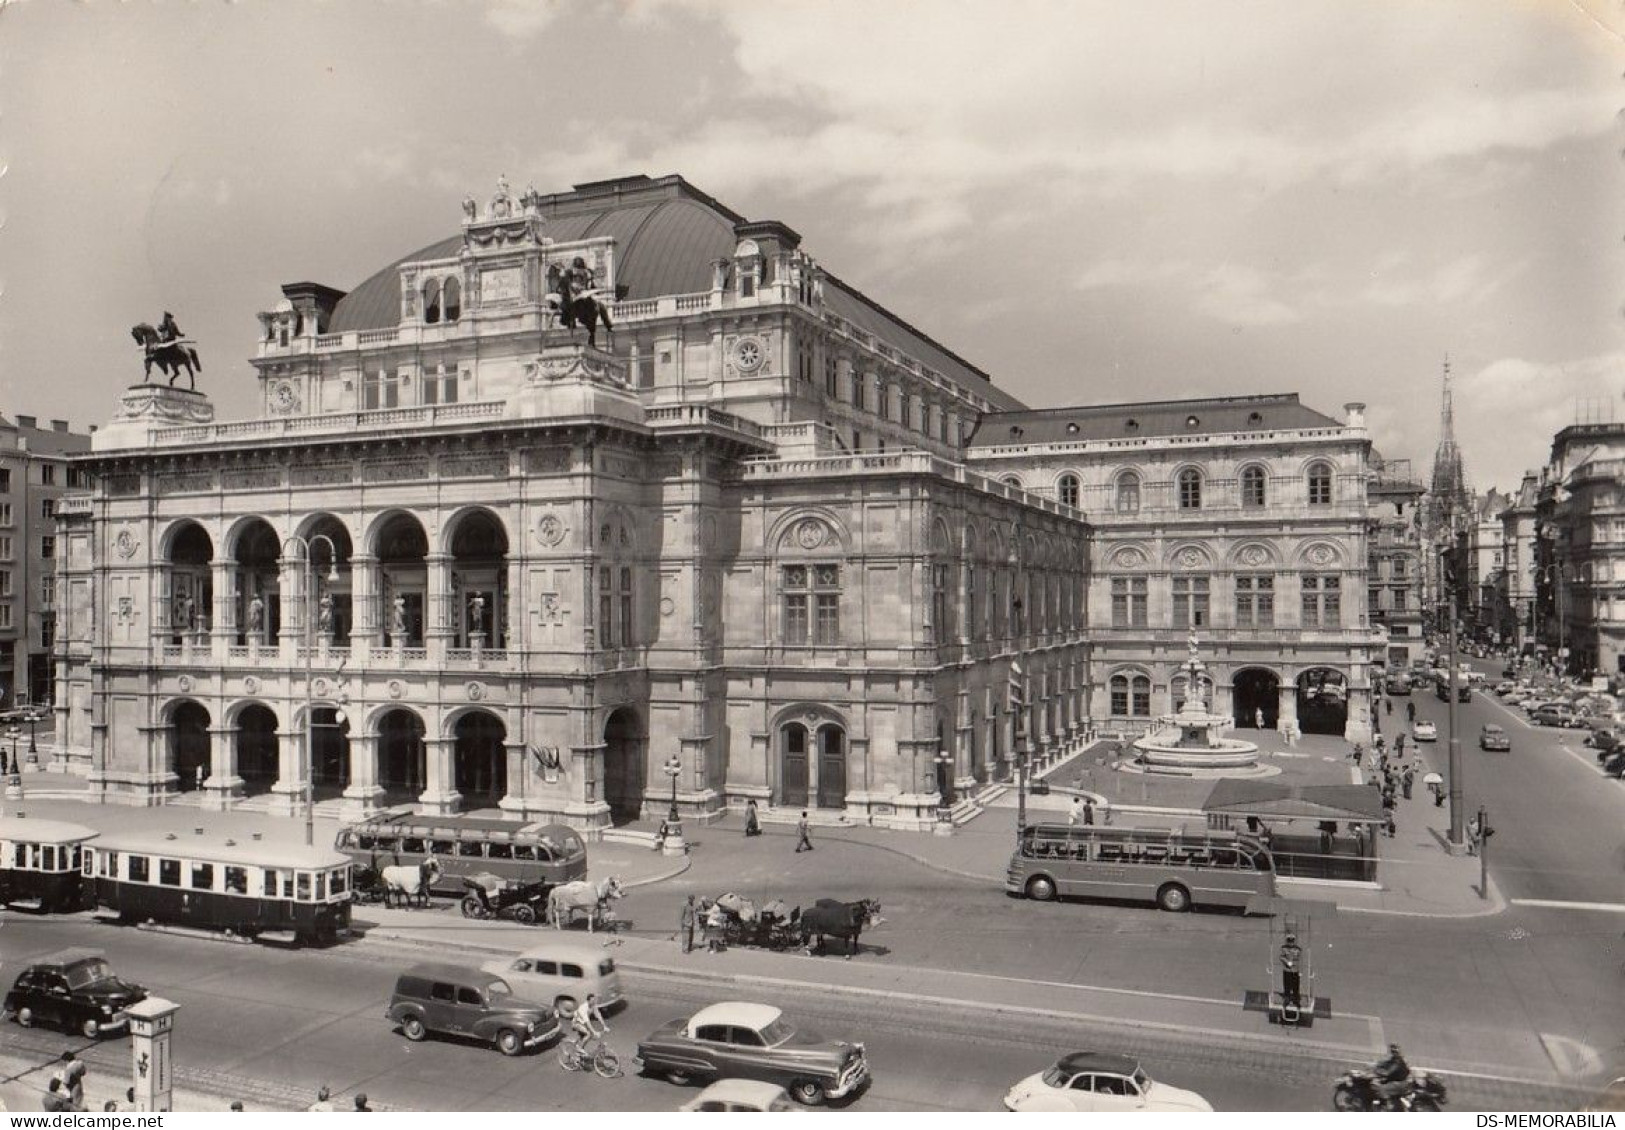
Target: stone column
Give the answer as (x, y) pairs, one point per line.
(518, 797)
(363, 794)
(291, 598)
(441, 797)
(437, 617)
(287, 795)
(363, 605)
(1288, 708)
(224, 786)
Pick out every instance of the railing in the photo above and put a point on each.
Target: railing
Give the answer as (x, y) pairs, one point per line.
(377, 337)
(691, 302)
(73, 504)
(699, 414)
(235, 652)
(368, 420)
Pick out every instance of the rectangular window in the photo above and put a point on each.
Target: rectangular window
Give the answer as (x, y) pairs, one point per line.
(5, 582)
(793, 584)
(883, 402)
(1255, 601)
(858, 400)
(272, 883)
(5, 480)
(139, 868)
(5, 615)
(203, 876)
(47, 546)
(237, 880)
(5, 513)
(47, 589)
(939, 600)
(372, 390)
(47, 474)
(302, 887)
(626, 607)
(47, 631)
(169, 872)
(5, 548)
(47, 508)
(392, 390)
(1399, 600)
(1129, 602)
(1322, 605)
(1190, 602)
(606, 606)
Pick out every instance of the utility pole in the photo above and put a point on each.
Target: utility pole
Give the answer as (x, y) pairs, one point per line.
(1017, 693)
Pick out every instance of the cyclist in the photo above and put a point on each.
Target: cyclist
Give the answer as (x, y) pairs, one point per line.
(582, 1021)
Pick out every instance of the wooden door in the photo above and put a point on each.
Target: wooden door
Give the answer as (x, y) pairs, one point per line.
(831, 768)
(793, 766)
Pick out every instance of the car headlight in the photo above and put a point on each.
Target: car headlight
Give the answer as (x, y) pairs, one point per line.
(107, 1010)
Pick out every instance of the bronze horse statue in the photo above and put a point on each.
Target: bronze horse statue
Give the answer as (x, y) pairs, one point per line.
(576, 303)
(172, 355)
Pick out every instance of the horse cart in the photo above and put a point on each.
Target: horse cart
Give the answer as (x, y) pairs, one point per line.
(773, 925)
(491, 896)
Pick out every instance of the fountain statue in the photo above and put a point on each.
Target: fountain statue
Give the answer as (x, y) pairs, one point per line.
(1193, 738)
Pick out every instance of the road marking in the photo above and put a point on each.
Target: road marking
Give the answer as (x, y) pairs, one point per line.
(1560, 904)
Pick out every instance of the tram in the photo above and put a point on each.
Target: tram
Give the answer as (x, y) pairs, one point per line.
(467, 846)
(247, 890)
(40, 863)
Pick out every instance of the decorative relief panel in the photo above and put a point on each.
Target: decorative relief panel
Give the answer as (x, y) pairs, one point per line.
(123, 485)
(748, 354)
(251, 478)
(619, 465)
(1321, 554)
(665, 466)
(493, 465)
(548, 460)
(1253, 556)
(395, 470)
(550, 528)
(1129, 558)
(1191, 557)
(185, 482)
(125, 544)
(320, 474)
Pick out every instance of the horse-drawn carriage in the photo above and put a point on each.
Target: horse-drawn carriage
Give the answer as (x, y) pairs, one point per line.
(491, 896)
(406, 884)
(774, 925)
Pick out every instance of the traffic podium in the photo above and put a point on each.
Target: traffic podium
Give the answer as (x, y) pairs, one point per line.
(152, 1023)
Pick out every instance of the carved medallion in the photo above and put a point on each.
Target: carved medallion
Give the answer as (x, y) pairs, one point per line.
(667, 606)
(810, 533)
(550, 529)
(476, 691)
(1254, 555)
(251, 685)
(396, 688)
(125, 543)
(1191, 558)
(1129, 558)
(1321, 554)
(184, 683)
(748, 354)
(284, 399)
(320, 687)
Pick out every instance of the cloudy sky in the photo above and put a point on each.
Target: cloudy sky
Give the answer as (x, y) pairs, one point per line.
(1095, 202)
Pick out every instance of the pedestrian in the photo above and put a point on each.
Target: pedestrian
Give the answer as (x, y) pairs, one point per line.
(1388, 707)
(804, 834)
(324, 1100)
(1399, 744)
(1293, 733)
(685, 923)
(1438, 794)
(361, 1103)
(72, 1074)
(660, 836)
(1088, 811)
(56, 1100)
(1474, 836)
(715, 923)
(753, 826)
(1358, 753)
(1410, 712)
(1408, 780)
(1389, 828)
(1258, 718)
(1074, 814)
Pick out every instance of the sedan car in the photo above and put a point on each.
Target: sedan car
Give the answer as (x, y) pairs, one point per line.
(1555, 716)
(1424, 731)
(1397, 685)
(1492, 737)
(748, 1096)
(1099, 1082)
(739, 1040)
(76, 990)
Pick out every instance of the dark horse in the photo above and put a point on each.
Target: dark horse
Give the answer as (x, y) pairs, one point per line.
(579, 307)
(844, 920)
(172, 356)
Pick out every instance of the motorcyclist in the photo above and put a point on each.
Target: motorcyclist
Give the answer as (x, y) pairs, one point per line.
(1393, 1076)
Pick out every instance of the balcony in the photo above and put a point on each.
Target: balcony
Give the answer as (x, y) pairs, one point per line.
(379, 421)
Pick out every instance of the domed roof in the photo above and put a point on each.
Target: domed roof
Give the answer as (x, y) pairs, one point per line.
(666, 235)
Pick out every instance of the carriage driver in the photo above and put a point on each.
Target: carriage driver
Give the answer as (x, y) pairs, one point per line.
(581, 1020)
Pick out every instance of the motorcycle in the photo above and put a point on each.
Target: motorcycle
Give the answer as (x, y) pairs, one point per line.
(488, 896)
(1360, 1090)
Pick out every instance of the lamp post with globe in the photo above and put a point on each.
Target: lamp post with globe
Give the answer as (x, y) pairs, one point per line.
(673, 843)
(14, 778)
(33, 718)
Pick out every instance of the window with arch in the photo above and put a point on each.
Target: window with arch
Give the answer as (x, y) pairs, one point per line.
(1066, 490)
(1252, 486)
(431, 301)
(454, 300)
(1320, 484)
(1131, 696)
(1011, 481)
(1128, 493)
(1190, 489)
(939, 601)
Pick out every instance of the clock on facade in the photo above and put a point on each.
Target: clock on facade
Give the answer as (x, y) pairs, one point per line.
(284, 398)
(748, 354)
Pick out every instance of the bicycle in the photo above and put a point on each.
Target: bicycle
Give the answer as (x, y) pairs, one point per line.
(575, 1056)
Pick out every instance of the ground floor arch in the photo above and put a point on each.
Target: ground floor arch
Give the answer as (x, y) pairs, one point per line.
(812, 764)
(189, 743)
(402, 763)
(625, 772)
(479, 758)
(1323, 701)
(258, 761)
(1255, 696)
(330, 748)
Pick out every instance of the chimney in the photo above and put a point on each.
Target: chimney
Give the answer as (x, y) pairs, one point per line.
(1356, 415)
(59, 425)
(27, 422)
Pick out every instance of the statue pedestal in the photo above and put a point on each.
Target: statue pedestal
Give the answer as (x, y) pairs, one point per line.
(146, 408)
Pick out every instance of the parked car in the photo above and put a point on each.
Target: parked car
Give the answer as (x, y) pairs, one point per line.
(1505, 687)
(462, 1001)
(74, 989)
(1097, 1082)
(1604, 742)
(747, 1096)
(1555, 716)
(737, 1039)
(1492, 737)
(1424, 731)
(560, 975)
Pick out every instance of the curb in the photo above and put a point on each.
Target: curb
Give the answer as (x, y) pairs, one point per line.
(688, 861)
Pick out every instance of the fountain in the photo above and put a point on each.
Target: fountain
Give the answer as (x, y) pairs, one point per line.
(1192, 738)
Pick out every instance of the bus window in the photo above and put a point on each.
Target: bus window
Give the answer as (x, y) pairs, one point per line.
(345, 839)
(109, 863)
(526, 852)
(169, 872)
(386, 844)
(33, 857)
(341, 881)
(140, 869)
(471, 849)
(498, 851)
(90, 864)
(1224, 857)
(78, 857)
(366, 841)
(302, 886)
(203, 876)
(1257, 861)
(412, 845)
(442, 847)
(237, 880)
(19, 855)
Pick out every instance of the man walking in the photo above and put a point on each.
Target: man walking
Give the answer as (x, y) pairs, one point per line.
(685, 923)
(1408, 780)
(804, 832)
(1075, 813)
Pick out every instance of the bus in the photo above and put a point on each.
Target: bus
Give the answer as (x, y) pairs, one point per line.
(40, 861)
(1176, 868)
(247, 890)
(467, 846)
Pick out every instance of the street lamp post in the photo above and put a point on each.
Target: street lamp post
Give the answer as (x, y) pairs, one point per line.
(14, 780)
(32, 719)
(674, 770)
(307, 559)
(672, 843)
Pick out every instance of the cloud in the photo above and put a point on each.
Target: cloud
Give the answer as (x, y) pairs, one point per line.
(522, 19)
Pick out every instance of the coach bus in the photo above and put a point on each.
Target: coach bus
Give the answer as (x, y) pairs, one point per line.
(1176, 868)
(466, 846)
(40, 863)
(248, 890)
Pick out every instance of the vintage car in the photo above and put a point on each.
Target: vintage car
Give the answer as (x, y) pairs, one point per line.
(76, 990)
(435, 997)
(561, 974)
(1396, 685)
(1424, 731)
(739, 1040)
(1553, 715)
(1097, 1082)
(748, 1096)
(1492, 737)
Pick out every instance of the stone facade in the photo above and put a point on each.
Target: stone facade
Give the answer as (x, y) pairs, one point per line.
(1580, 550)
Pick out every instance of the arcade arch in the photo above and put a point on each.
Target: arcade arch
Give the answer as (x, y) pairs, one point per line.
(479, 758)
(1323, 701)
(625, 772)
(191, 586)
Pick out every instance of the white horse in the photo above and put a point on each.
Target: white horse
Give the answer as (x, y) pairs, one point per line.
(592, 898)
(410, 883)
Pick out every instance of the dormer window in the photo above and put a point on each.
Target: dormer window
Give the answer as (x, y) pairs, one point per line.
(431, 302)
(1072, 429)
(1192, 421)
(1131, 425)
(454, 300)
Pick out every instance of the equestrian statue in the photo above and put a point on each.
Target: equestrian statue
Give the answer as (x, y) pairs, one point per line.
(577, 300)
(169, 349)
